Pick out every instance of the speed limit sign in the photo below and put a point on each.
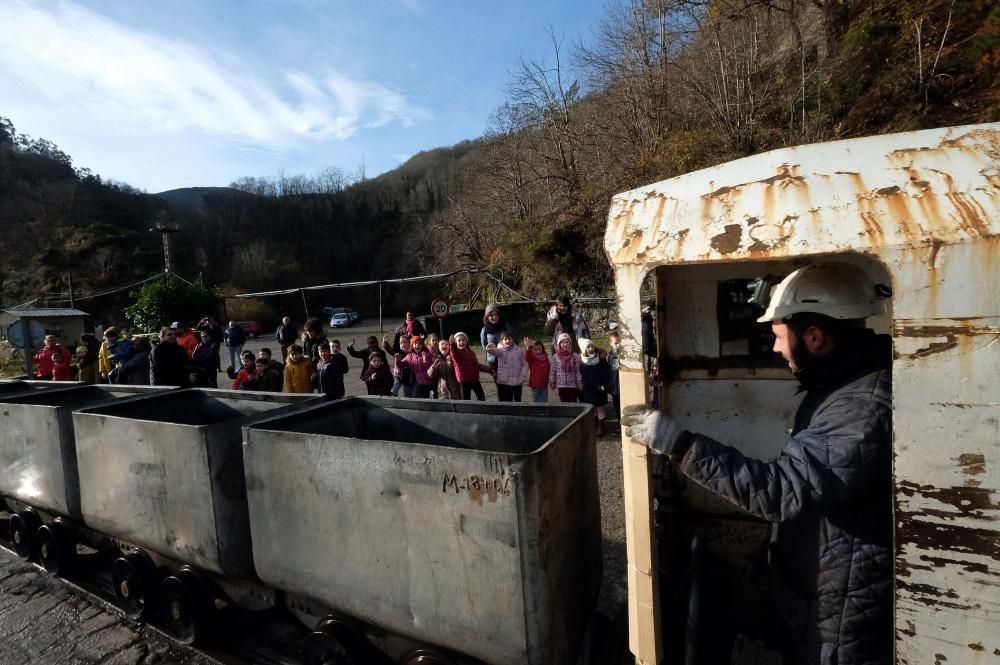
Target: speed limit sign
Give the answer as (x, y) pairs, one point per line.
(439, 308)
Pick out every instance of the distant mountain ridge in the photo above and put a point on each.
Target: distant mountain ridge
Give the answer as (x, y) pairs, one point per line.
(190, 198)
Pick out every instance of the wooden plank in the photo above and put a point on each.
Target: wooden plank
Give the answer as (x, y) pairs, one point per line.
(645, 639)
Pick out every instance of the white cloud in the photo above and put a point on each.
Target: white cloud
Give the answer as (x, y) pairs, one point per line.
(141, 81)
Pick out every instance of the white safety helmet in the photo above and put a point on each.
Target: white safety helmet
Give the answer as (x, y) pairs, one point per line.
(839, 291)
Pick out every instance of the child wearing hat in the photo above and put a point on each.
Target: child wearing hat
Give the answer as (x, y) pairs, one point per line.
(564, 370)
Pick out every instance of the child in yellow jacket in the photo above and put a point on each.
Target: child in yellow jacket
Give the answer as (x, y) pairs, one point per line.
(300, 372)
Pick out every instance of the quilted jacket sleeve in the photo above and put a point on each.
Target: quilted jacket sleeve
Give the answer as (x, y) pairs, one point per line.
(821, 466)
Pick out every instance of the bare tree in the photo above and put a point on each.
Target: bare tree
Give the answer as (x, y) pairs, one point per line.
(731, 69)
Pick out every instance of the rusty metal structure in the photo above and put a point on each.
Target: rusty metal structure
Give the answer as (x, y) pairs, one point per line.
(920, 212)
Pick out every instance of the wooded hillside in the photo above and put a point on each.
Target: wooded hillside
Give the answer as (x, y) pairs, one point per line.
(662, 88)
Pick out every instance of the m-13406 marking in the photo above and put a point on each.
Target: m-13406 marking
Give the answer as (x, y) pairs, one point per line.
(500, 485)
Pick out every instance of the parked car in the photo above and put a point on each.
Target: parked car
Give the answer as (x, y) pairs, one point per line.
(355, 317)
(341, 320)
(251, 328)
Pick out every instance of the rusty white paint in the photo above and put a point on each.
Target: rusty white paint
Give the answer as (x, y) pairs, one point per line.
(924, 209)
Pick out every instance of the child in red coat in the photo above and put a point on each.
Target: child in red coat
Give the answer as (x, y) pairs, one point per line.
(468, 367)
(62, 368)
(538, 370)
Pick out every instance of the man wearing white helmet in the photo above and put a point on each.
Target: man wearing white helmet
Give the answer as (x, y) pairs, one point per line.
(829, 491)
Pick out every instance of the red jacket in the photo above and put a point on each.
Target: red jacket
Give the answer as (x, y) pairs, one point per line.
(244, 376)
(43, 359)
(62, 371)
(538, 370)
(467, 365)
(188, 341)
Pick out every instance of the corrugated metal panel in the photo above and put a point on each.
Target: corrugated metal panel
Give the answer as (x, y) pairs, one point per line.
(926, 206)
(45, 313)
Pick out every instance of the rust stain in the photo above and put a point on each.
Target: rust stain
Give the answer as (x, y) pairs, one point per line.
(729, 240)
(976, 647)
(942, 331)
(938, 657)
(928, 590)
(967, 566)
(972, 217)
(873, 229)
(972, 463)
(887, 191)
(786, 176)
(899, 210)
(680, 237)
(932, 348)
(658, 217)
(932, 255)
(953, 335)
(968, 501)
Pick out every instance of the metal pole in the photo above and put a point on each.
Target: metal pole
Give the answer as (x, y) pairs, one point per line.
(305, 306)
(26, 345)
(166, 252)
(441, 327)
(380, 330)
(72, 300)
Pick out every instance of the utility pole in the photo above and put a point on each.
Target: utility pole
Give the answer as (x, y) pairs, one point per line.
(166, 227)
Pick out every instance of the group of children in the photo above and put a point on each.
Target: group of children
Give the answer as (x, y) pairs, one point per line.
(299, 374)
(414, 365)
(584, 374)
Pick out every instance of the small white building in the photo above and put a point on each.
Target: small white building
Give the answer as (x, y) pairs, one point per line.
(65, 323)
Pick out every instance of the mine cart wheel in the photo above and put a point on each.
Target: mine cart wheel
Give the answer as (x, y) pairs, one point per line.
(426, 657)
(134, 579)
(335, 642)
(23, 526)
(56, 547)
(185, 606)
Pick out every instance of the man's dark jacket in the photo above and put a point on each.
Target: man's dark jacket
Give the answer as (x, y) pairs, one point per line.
(286, 335)
(829, 491)
(168, 365)
(235, 336)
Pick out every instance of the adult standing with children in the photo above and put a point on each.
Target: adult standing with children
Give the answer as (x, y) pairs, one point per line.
(494, 327)
(562, 318)
(286, 335)
(235, 337)
(312, 339)
(411, 326)
(43, 359)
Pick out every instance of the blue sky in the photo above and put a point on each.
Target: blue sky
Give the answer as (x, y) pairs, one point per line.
(184, 93)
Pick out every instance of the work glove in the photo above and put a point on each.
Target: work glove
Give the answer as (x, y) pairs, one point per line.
(655, 430)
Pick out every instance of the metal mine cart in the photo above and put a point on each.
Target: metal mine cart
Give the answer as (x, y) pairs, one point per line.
(466, 525)
(38, 475)
(163, 475)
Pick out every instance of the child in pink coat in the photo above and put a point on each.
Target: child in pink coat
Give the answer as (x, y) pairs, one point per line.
(512, 368)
